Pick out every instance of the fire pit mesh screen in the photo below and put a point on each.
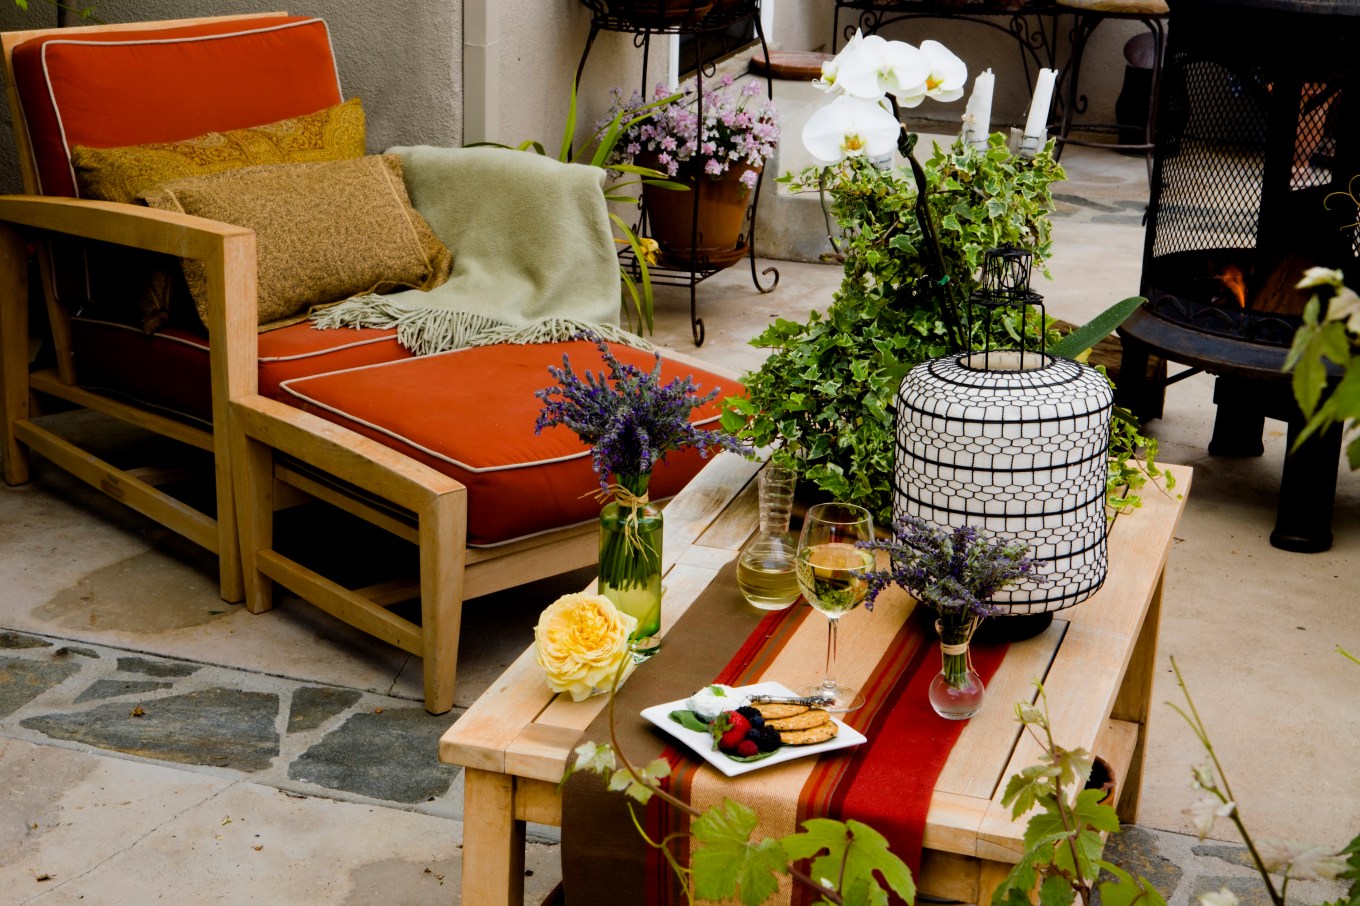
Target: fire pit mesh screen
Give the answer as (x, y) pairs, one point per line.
(1256, 154)
(1213, 155)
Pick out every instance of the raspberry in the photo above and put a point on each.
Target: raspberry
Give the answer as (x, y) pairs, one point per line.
(746, 748)
(755, 717)
(730, 728)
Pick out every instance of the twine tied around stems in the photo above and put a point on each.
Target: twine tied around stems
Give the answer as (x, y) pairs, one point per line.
(947, 650)
(629, 501)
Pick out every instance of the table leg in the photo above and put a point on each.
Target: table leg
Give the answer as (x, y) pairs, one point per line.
(1134, 701)
(493, 841)
(990, 876)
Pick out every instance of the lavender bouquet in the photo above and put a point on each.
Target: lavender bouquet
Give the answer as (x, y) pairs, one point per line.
(631, 420)
(955, 573)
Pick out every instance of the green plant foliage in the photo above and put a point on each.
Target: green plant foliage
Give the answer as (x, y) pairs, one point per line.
(823, 397)
(727, 863)
(1319, 339)
(852, 852)
(1063, 837)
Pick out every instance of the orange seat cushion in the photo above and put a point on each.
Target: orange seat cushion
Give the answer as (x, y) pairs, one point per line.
(169, 369)
(162, 85)
(470, 414)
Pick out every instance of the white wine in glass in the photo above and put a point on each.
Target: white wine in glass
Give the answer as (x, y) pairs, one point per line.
(832, 574)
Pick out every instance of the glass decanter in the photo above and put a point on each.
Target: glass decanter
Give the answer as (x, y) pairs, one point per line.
(766, 565)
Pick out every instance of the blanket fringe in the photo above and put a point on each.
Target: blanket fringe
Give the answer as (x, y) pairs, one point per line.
(425, 330)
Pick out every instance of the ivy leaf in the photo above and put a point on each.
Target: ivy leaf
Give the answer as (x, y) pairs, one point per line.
(727, 862)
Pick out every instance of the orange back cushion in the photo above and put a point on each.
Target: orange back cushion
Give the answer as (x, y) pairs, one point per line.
(168, 84)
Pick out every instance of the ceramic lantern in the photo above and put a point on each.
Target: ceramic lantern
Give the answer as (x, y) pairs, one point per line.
(1013, 442)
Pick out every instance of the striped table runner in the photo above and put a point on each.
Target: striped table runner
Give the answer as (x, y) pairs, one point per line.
(890, 654)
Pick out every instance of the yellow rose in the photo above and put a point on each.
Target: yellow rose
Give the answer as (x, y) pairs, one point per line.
(579, 641)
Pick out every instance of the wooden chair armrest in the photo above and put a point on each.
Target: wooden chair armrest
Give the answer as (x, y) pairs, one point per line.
(227, 252)
(340, 452)
(123, 224)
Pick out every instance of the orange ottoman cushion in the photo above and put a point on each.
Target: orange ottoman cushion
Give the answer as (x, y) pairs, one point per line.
(169, 369)
(162, 85)
(470, 414)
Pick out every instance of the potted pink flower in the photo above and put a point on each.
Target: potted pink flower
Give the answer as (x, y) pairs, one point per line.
(715, 145)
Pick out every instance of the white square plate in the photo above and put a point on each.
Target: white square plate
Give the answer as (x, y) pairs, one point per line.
(702, 743)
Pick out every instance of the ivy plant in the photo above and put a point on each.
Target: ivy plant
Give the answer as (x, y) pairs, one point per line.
(823, 397)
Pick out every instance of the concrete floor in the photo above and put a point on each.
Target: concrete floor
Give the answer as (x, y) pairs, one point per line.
(284, 795)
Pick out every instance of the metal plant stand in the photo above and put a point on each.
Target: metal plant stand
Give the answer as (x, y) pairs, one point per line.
(705, 25)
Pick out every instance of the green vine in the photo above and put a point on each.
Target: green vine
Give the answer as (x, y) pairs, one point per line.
(823, 398)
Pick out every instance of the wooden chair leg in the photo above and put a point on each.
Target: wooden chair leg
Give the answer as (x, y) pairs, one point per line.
(253, 465)
(14, 393)
(443, 543)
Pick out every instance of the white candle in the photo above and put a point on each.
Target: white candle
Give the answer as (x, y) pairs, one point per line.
(980, 110)
(1036, 126)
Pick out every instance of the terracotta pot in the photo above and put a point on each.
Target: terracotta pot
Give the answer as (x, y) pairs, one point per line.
(1103, 778)
(723, 203)
(660, 13)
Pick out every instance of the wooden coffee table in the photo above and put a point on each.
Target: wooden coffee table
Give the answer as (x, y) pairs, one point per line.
(1096, 660)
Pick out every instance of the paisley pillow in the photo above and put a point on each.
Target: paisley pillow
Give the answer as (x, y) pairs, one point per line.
(124, 280)
(323, 232)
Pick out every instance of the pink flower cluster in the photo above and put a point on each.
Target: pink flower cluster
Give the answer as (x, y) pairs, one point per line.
(737, 130)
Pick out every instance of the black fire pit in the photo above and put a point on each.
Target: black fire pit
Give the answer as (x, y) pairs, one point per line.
(1257, 131)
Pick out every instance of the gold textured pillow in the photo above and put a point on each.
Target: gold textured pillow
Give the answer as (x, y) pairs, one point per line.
(324, 232)
(124, 174)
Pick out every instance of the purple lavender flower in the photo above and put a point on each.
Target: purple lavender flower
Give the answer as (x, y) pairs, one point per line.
(629, 417)
(955, 573)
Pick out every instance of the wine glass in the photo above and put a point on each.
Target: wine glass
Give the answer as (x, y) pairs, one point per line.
(832, 576)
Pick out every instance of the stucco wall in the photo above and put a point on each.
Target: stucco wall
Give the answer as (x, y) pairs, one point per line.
(403, 58)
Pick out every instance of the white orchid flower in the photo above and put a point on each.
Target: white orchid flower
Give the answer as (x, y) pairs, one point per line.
(850, 127)
(831, 68)
(880, 67)
(948, 73)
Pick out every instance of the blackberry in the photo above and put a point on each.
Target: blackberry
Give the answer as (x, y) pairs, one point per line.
(755, 717)
(767, 739)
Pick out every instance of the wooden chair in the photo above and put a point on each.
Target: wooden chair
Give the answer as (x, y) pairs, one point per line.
(302, 442)
(229, 253)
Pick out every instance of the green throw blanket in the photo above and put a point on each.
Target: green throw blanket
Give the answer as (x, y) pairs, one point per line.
(533, 254)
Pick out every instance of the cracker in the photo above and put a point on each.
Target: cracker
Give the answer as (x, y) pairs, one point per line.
(810, 736)
(778, 710)
(812, 717)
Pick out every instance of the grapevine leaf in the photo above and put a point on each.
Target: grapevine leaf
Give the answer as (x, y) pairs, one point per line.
(853, 851)
(1055, 891)
(1126, 891)
(727, 862)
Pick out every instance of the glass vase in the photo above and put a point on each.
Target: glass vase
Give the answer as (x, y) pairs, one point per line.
(630, 561)
(766, 565)
(956, 692)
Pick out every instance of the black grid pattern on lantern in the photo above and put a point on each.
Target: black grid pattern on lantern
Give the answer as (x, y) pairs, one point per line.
(1021, 454)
